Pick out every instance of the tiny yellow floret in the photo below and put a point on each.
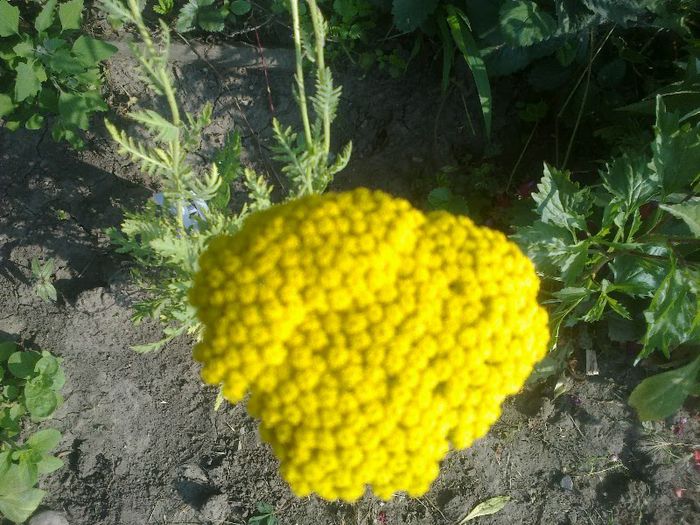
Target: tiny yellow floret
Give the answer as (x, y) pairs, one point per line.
(372, 337)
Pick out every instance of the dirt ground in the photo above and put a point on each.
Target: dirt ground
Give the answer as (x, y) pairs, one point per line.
(141, 441)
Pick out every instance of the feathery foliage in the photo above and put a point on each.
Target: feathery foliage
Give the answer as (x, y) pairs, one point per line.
(168, 234)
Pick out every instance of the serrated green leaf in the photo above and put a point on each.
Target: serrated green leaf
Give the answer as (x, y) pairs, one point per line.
(688, 212)
(63, 63)
(45, 17)
(631, 180)
(91, 51)
(211, 18)
(410, 14)
(27, 83)
(9, 19)
(676, 150)
(69, 13)
(75, 108)
(24, 49)
(671, 314)
(637, 276)
(486, 508)
(523, 23)
(240, 7)
(660, 396)
(561, 202)
(45, 440)
(546, 245)
(187, 17)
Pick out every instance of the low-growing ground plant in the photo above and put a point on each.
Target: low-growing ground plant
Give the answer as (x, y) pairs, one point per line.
(31, 383)
(624, 256)
(168, 234)
(208, 15)
(42, 274)
(49, 68)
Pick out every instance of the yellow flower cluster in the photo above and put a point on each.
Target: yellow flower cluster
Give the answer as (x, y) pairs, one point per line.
(371, 336)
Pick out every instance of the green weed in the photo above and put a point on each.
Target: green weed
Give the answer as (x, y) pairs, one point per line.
(49, 68)
(31, 383)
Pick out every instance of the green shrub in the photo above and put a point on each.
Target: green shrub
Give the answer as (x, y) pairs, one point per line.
(31, 383)
(47, 67)
(624, 256)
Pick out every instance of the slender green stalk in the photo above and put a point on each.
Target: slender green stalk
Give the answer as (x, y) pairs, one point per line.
(320, 37)
(300, 72)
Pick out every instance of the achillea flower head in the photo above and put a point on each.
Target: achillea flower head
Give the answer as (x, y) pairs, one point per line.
(371, 336)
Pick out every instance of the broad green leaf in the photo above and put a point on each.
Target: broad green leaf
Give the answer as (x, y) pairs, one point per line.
(463, 38)
(40, 399)
(91, 51)
(21, 364)
(70, 13)
(24, 49)
(6, 105)
(688, 212)
(410, 14)
(9, 19)
(676, 151)
(7, 348)
(486, 508)
(18, 478)
(45, 17)
(75, 108)
(660, 396)
(240, 7)
(524, 24)
(44, 440)
(63, 63)
(48, 365)
(18, 507)
(211, 18)
(48, 464)
(561, 202)
(631, 180)
(27, 83)
(671, 314)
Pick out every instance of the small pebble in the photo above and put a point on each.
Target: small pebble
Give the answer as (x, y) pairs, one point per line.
(49, 517)
(567, 483)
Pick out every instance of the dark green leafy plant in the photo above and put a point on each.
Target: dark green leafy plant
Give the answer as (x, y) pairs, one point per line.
(31, 383)
(210, 15)
(626, 255)
(47, 67)
(264, 515)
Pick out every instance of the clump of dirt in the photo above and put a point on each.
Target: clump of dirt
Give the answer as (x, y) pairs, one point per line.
(141, 440)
